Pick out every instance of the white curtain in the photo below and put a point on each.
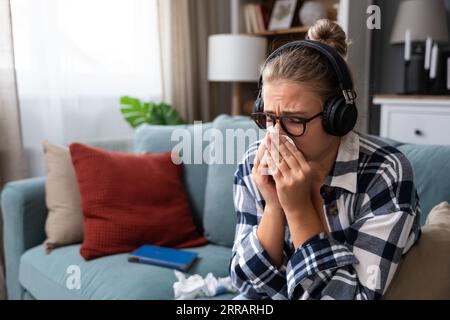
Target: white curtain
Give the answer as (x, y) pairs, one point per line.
(74, 59)
(12, 164)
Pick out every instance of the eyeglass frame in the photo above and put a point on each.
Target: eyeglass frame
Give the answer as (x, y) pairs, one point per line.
(275, 119)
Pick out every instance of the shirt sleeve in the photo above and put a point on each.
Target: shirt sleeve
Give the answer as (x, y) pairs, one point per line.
(362, 268)
(251, 269)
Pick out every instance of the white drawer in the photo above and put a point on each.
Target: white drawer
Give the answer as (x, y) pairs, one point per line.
(418, 126)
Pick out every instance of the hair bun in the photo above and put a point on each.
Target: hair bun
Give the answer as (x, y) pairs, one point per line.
(329, 32)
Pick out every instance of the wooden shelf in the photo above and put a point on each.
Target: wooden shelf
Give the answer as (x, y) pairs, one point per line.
(410, 97)
(294, 30)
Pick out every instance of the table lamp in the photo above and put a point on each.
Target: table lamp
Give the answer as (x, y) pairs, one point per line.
(417, 25)
(235, 58)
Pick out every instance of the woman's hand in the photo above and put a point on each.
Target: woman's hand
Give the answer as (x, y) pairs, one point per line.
(265, 183)
(293, 178)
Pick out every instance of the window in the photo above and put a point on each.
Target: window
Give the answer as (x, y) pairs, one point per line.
(74, 59)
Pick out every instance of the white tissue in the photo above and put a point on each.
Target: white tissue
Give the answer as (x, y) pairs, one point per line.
(195, 286)
(275, 139)
(274, 132)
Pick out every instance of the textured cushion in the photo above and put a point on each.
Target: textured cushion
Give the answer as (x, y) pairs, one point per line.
(112, 277)
(424, 272)
(440, 216)
(156, 139)
(219, 218)
(64, 224)
(130, 200)
(432, 173)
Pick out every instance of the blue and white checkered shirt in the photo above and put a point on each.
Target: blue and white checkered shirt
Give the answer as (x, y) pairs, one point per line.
(373, 214)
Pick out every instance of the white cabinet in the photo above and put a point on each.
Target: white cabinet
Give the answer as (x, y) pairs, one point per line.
(415, 119)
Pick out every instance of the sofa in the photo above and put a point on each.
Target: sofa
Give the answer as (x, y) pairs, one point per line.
(31, 274)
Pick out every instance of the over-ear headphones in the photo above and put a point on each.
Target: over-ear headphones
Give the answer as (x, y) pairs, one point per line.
(340, 112)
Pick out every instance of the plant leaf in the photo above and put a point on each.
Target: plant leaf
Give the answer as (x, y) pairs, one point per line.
(137, 113)
(171, 116)
(133, 111)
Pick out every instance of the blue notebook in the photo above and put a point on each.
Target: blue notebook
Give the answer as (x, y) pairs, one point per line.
(165, 257)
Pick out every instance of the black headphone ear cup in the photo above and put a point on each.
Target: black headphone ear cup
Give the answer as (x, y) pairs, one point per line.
(329, 114)
(258, 105)
(346, 119)
(339, 118)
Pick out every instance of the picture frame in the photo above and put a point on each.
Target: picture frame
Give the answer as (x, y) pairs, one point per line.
(282, 14)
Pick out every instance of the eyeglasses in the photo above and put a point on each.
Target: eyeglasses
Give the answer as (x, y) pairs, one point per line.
(294, 126)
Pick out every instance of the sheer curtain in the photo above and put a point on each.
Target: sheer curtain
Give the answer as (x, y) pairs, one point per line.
(74, 59)
(12, 165)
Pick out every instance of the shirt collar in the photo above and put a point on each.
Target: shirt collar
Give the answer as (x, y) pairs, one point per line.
(345, 169)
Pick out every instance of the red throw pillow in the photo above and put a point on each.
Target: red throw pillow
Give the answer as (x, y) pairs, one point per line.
(129, 200)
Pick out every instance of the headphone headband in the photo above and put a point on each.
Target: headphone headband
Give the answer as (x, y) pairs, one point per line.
(334, 58)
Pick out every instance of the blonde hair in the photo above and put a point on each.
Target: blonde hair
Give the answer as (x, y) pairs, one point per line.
(307, 66)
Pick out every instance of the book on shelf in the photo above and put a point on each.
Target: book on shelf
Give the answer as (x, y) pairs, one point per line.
(260, 17)
(256, 18)
(247, 20)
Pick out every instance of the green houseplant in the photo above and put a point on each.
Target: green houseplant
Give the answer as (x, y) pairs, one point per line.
(137, 113)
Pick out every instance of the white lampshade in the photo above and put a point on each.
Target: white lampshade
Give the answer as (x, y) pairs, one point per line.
(235, 58)
(424, 18)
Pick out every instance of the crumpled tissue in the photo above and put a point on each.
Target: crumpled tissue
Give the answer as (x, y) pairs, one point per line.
(196, 286)
(275, 136)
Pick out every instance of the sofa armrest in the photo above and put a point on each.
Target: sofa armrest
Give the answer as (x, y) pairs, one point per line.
(24, 215)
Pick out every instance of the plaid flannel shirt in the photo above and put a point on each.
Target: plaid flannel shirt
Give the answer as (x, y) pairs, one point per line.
(373, 214)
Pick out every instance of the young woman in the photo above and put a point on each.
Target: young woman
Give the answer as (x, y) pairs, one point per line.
(339, 210)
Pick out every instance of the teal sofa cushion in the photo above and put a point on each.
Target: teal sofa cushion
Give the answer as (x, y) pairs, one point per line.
(219, 218)
(112, 277)
(24, 215)
(431, 164)
(157, 139)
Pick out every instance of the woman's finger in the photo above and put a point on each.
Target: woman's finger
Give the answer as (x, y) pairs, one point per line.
(277, 166)
(297, 154)
(259, 154)
(289, 157)
(282, 165)
(256, 162)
